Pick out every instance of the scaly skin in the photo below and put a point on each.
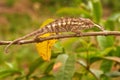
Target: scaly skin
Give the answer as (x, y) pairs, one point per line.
(61, 25)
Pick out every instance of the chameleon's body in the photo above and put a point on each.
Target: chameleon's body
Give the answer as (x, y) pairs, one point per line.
(61, 25)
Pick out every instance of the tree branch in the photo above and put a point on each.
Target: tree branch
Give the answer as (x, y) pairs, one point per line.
(106, 33)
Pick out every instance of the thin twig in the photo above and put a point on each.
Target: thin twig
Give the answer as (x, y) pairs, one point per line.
(107, 33)
(87, 68)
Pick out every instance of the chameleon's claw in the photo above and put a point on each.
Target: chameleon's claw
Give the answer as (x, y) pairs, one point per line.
(78, 33)
(38, 39)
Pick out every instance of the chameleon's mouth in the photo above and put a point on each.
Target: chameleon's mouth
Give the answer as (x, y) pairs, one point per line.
(100, 27)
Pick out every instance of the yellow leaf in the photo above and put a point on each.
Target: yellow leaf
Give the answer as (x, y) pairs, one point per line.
(44, 48)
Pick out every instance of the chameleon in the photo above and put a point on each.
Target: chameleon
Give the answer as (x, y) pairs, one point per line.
(64, 24)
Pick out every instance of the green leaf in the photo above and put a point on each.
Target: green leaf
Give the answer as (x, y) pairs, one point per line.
(68, 44)
(106, 51)
(99, 55)
(49, 68)
(70, 67)
(20, 78)
(94, 59)
(105, 41)
(106, 65)
(96, 8)
(58, 47)
(112, 74)
(59, 69)
(82, 63)
(6, 73)
(47, 77)
(67, 68)
(114, 17)
(69, 11)
(111, 22)
(35, 65)
(77, 76)
(109, 25)
(117, 52)
(96, 73)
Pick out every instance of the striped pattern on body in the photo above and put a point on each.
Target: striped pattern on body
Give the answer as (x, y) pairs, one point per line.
(68, 25)
(61, 25)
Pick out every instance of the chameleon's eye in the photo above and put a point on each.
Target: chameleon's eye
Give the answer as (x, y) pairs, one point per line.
(82, 19)
(88, 21)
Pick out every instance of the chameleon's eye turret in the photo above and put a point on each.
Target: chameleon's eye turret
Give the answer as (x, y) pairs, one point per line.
(89, 23)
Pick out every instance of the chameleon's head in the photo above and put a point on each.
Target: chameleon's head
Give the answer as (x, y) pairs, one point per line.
(87, 23)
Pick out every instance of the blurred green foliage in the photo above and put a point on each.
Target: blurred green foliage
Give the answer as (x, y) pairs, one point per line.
(56, 3)
(73, 58)
(10, 3)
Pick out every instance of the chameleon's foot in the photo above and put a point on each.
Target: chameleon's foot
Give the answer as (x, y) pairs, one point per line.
(79, 34)
(53, 34)
(38, 39)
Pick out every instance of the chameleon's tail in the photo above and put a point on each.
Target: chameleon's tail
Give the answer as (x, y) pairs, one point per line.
(22, 38)
(14, 41)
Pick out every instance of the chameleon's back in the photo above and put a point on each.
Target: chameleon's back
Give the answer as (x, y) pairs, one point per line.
(68, 24)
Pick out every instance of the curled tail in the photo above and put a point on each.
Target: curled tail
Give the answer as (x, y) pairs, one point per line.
(40, 31)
